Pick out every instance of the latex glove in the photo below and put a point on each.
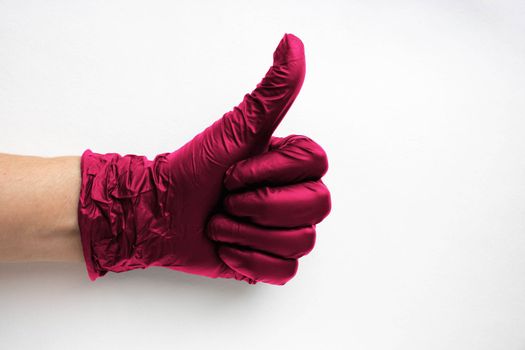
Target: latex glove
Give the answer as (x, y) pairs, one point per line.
(135, 213)
(276, 200)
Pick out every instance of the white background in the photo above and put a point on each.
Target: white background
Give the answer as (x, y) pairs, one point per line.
(420, 106)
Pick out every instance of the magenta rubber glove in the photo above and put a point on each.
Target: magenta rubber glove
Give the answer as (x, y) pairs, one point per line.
(234, 202)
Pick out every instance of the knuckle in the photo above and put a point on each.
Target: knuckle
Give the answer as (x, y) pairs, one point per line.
(211, 227)
(216, 225)
(317, 156)
(320, 159)
(309, 241)
(291, 271)
(324, 201)
(306, 243)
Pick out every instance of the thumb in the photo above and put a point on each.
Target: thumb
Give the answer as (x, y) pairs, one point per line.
(247, 128)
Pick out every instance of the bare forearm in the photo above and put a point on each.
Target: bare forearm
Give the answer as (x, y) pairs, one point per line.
(38, 208)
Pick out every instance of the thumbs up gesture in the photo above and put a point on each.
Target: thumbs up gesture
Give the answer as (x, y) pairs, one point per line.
(234, 202)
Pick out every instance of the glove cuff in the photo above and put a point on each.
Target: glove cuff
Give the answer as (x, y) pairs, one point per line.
(118, 196)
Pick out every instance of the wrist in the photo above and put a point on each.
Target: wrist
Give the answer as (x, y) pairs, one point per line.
(38, 200)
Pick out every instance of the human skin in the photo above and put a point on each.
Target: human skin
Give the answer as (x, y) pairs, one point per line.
(38, 208)
(134, 213)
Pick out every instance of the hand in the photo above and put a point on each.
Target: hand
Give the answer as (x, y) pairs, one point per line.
(275, 201)
(135, 212)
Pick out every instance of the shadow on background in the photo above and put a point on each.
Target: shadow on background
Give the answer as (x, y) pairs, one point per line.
(64, 283)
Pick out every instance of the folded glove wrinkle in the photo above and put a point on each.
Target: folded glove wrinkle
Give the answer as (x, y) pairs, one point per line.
(122, 189)
(135, 212)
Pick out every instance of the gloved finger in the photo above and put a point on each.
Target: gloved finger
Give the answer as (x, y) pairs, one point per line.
(290, 159)
(259, 266)
(247, 128)
(302, 204)
(291, 243)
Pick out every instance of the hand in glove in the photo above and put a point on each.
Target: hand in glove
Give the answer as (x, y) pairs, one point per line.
(234, 202)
